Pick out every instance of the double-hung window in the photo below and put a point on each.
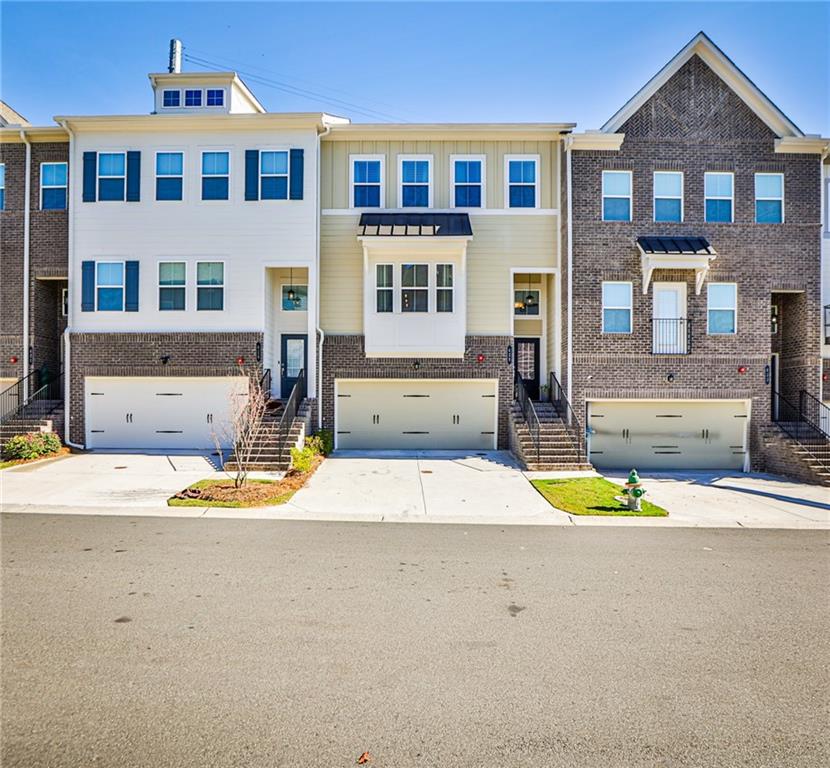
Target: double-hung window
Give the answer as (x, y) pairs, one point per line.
(522, 182)
(467, 182)
(384, 287)
(112, 174)
(53, 186)
(109, 286)
(171, 98)
(616, 307)
(215, 97)
(414, 288)
(2, 186)
(169, 175)
(172, 285)
(416, 182)
(215, 175)
(722, 308)
(273, 175)
(668, 196)
(210, 285)
(444, 288)
(367, 182)
(769, 198)
(193, 97)
(616, 195)
(718, 191)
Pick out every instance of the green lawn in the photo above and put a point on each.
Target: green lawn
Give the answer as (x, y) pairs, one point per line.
(258, 498)
(591, 496)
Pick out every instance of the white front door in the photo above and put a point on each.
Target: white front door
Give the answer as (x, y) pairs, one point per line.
(669, 319)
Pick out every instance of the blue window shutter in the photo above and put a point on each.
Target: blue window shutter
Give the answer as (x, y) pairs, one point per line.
(90, 177)
(131, 286)
(295, 185)
(133, 177)
(252, 174)
(88, 285)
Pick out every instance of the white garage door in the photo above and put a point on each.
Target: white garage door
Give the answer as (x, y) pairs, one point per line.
(673, 434)
(161, 413)
(418, 415)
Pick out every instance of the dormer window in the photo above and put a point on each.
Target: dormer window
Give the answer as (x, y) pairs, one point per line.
(215, 97)
(171, 98)
(193, 97)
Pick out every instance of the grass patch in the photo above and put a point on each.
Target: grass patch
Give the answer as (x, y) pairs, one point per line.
(591, 496)
(17, 462)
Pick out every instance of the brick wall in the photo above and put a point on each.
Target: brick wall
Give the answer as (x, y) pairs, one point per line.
(344, 358)
(139, 354)
(11, 264)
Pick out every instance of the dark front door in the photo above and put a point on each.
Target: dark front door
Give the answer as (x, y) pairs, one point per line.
(293, 359)
(527, 365)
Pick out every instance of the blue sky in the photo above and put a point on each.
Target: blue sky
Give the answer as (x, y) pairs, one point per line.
(417, 62)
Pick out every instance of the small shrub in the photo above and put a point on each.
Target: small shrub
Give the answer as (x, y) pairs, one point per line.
(302, 459)
(31, 446)
(322, 443)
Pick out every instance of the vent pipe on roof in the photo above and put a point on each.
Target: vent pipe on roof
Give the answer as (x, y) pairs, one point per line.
(174, 65)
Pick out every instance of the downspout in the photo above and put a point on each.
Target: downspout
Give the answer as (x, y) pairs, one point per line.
(27, 205)
(569, 188)
(320, 331)
(70, 247)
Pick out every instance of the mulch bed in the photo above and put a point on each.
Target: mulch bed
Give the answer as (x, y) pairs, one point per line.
(16, 462)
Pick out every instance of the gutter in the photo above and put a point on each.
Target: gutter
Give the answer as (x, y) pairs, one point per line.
(322, 333)
(27, 206)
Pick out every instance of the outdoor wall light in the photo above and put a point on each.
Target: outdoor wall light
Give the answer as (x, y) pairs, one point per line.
(416, 365)
(670, 378)
(165, 359)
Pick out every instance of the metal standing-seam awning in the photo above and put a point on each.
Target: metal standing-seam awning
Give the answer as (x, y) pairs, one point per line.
(415, 225)
(676, 253)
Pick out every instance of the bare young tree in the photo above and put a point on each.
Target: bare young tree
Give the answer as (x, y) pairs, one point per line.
(242, 429)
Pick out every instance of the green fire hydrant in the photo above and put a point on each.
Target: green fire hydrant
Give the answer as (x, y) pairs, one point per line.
(634, 491)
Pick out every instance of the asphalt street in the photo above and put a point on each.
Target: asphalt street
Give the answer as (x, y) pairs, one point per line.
(194, 642)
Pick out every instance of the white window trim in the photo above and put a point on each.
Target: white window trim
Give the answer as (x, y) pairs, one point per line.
(781, 175)
(224, 285)
(733, 309)
(483, 160)
(261, 175)
(172, 151)
(537, 194)
(160, 286)
(123, 286)
(172, 90)
(629, 197)
(450, 288)
(731, 197)
(203, 175)
(401, 287)
(100, 176)
(296, 285)
(372, 158)
(681, 197)
(630, 306)
(57, 186)
(430, 185)
(215, 106)
(384, 288)
(184, 103)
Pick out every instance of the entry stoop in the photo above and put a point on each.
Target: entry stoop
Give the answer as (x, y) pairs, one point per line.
(807, 461)
(558, 442)
(24, 423)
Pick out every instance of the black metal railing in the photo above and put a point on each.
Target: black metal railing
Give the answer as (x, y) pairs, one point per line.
(814, 412)
(792, 421)
(45, 394)
(534, 427)
(563, 408)
(14, 396)
(265, 383)
(290, 410)
(671, 336)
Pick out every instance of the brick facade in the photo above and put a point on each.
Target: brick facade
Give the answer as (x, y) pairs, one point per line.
(694, 124)
(140, 354)
(344, 358)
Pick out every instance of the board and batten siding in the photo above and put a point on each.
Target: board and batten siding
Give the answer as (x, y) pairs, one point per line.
(499, 243)
(335, 173)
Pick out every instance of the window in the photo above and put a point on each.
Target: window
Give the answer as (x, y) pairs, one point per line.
(717, 189)
(722, 307)
(296, 301)
(521, 182)
(467, 183)
(416, 187)
(616, 195)
(111, 175)
(524, 308)
(53, 186)
(172, 280)
(414, 288)
(273, 175)
(2, 186)
(769, 198)
(383, 287)
(367, 182)
(109, 286)
(616, 307)
(215, 172)
(668, 196)
(171, 98)
(64, 302)
(444, 288)
(215, 97)
(169, 175)
(210, 285)
(193, 97)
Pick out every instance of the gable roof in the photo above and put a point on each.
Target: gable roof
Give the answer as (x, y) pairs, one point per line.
(9, 116)
(726, 69)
